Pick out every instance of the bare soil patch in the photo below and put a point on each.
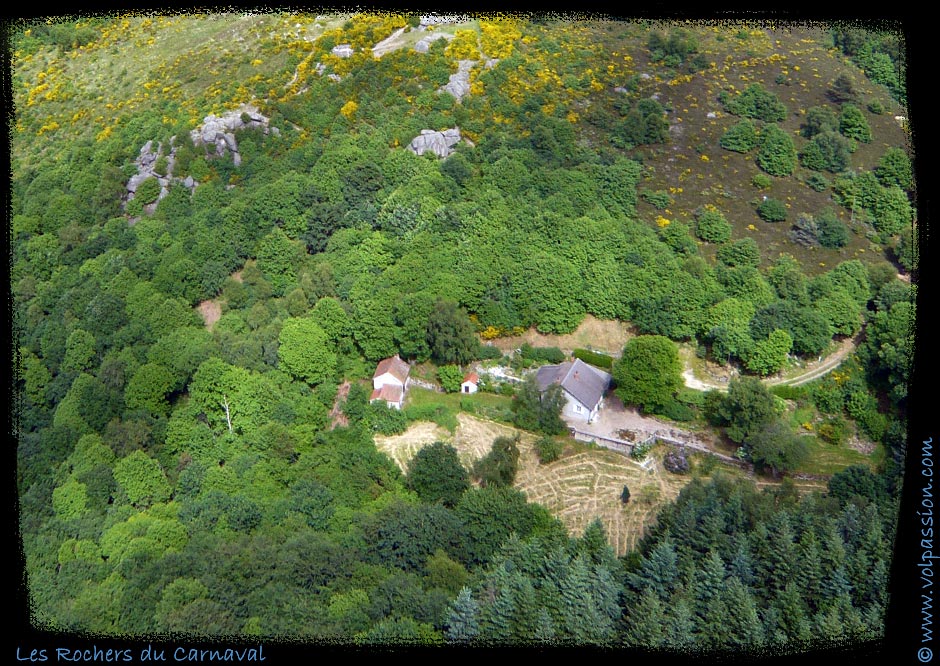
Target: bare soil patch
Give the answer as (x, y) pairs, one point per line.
(607, 336)
(337, 417)
(210, 312)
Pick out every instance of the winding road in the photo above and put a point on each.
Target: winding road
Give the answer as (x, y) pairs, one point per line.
(816, 369)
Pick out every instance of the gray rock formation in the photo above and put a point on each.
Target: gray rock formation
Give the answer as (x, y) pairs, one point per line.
(439, 143)
(342, 50)
(424, 44)
(216, 134)
(459, 83)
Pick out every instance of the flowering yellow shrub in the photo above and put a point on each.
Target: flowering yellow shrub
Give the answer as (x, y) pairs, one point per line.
(464, 46)
(349, 108)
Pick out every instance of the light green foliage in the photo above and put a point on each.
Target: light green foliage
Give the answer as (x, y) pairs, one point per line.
(740, 253)
(148, 389)
(755, 102)
(711, 226)
(79, 351)
(176, 596)
(277, 257)
(330, 315)
(83, 550)
(305, 351)
(842, 311)
(152, 533)
(90, 451)
(450, 377)
(148, 191)
(769, 355)
(649, 373)
(36, 377)
(142, 479)
(70, 500)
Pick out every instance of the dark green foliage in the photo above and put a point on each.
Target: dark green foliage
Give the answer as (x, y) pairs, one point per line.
(537, 411)
(541, 355)
(547, 449)
(741, 138)
(827, 151)
(854, 481)
(894, 168)
(649, 373)
(497, 469)
(437, 475)
(772, 210)
(489, 516)
(809, 330)
(842, 90)
(830, 231)
(819, 119)
(777, 448)
(676, 461)
(818, 182)
(594, 358)
(755, 102)
(645, 124)
(450, 335)
(852, 124)
(777, 154)
(746, 408)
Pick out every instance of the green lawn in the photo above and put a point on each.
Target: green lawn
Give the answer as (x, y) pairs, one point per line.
(486, 405)
(827, 459)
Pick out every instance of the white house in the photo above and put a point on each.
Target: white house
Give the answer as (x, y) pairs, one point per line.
(583, 385)
(471, 383)
(390, 381)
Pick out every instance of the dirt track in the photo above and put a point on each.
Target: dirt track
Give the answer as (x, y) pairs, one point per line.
(813, 371)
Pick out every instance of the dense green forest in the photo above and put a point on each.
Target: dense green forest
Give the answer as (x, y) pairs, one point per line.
(197, 324)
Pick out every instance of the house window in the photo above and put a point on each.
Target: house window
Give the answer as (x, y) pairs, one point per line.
(577, 408)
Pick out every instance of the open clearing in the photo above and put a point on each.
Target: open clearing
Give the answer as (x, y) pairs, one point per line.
(607, 336)
(576, 489)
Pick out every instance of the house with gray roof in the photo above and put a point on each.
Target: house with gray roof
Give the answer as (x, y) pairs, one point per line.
(584, 387)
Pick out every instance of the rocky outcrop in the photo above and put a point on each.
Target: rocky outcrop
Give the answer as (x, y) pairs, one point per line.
(343, 50)
(424, 44)
(459, 83)
(439, 143)
(146, 168)
(218, 132)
